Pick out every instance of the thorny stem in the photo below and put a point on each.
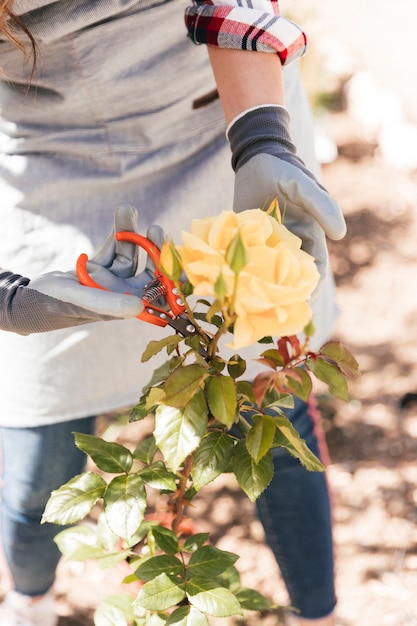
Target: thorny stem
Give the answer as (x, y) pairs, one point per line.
(206, 338)
(180, 501)
(227, 321)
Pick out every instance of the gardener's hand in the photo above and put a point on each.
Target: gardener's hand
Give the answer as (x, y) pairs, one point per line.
(266, 165)
(57, 299)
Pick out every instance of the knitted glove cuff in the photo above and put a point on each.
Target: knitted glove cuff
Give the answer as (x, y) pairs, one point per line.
(259, 130)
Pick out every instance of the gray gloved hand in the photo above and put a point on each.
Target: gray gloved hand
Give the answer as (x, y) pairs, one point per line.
(57, 300)
(267, 166)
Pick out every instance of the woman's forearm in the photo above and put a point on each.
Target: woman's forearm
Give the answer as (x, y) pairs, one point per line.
(246, 79)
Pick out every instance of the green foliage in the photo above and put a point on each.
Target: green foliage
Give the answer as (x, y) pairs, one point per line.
(74, 501)
(287, 437)
(208, 420)
(211, 457)
(176, 434)
(222, 399)
(252, 477)
(125, 505)
(109, 457)
(115, 610)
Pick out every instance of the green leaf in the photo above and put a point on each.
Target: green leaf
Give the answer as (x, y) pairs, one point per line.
(125, 505)
(73, 501)
(299, 384)
(162, 372)
(289, 438)
(208, 597)
(345, 360)
(195, 541)
(111, 559)
(193, 342)
(144, 529)
(176, 434)
(274, 398)
(143, 617)
(252, 477)
(139, 411)
(222, 399)
(158, 477)
(273, 356)
(196, 412)
(208, 561)
(114, 610)
(76, 538)
(187, 616)
(216, 320)
(187, 288)
(229, 578)
(106, 536)
(199, 315)
(156, 565)
(166, 539)
(106, 560)
(109, 457)
(237, 256)
(260, 437)
(81, 543)
(155, 397)
(216, 365)
(245, 391)
(211, 458)
(182, 384)
(252, 600)
(310, 329)
(161, 593)
(267, 339)
(236, 366)
(331, 375)
(213, 309)
(154, 347)
(146, 450)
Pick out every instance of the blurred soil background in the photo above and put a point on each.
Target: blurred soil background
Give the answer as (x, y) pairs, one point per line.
(361, 78)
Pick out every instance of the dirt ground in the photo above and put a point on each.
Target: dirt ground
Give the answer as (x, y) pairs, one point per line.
(373, 438)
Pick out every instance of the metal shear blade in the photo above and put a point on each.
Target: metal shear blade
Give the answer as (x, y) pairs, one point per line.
(181, 324)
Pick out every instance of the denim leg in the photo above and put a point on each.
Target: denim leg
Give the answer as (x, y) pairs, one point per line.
(34, 462)
(296, 514)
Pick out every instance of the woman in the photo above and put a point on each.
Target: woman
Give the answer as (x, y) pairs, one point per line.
(120, 107)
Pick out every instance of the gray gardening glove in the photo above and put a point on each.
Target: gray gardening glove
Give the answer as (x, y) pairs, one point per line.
(57, 300)
(267, 166)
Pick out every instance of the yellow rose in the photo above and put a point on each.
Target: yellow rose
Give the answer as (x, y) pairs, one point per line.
(272, 289)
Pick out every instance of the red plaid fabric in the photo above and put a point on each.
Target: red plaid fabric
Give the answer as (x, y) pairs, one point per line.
(245, 25)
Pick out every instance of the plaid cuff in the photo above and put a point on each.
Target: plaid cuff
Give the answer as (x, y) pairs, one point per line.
(244, 28)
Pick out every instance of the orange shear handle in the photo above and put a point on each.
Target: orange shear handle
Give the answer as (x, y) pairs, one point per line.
(152, 314)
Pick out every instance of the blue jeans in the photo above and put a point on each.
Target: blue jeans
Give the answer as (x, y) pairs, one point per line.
(34, 462)
(294, 510)
(296, 515)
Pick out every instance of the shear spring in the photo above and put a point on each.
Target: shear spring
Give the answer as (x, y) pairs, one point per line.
(153, 291)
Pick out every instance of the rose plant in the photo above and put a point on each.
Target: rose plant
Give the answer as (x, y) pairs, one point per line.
(247, 281)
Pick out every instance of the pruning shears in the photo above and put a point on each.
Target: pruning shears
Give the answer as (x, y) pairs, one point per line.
(160, 286)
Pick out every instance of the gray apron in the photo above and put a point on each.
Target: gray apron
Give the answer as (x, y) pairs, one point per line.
(108, 119)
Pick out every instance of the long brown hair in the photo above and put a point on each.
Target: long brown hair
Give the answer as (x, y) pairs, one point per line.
(13, 28)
